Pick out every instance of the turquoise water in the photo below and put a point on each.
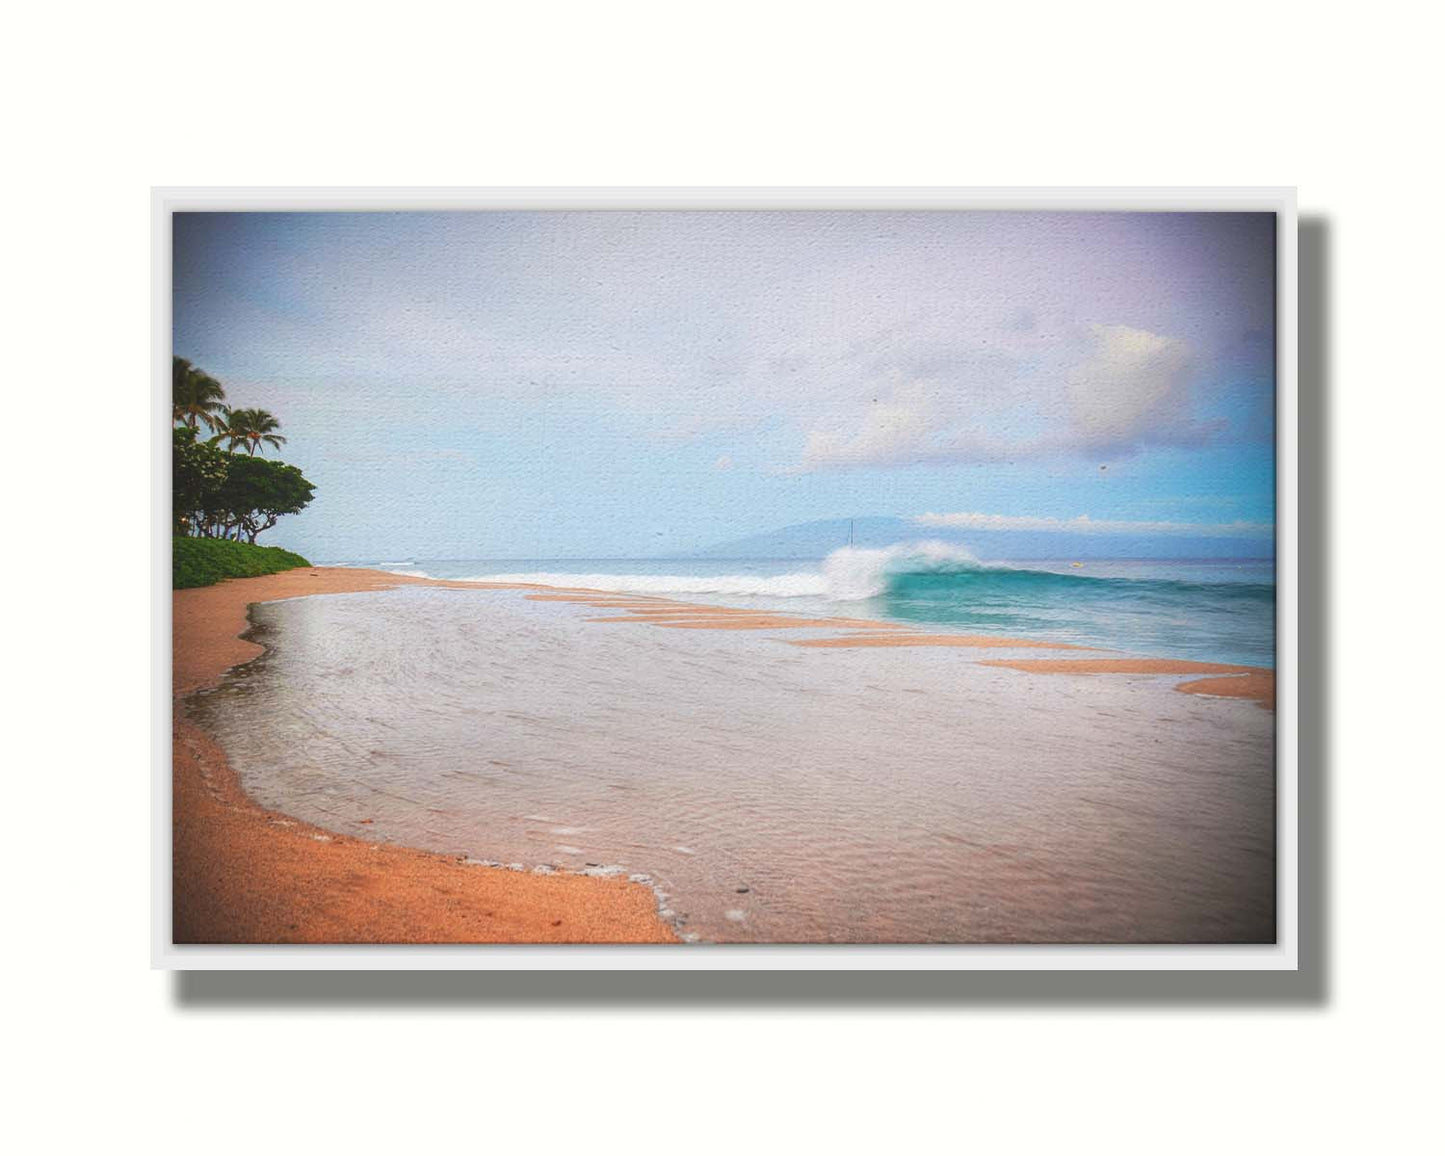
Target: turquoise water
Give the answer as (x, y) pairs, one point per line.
(1206, 610)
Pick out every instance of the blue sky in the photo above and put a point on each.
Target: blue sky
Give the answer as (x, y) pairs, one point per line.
(605, 384)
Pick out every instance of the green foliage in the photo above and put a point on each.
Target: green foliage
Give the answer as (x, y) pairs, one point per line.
(256, 492)
(247, 429)
(220, 494)
(198, 471)
(196, 396)
(206, 561)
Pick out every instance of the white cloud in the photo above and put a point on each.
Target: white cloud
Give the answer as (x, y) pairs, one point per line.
(1084, 524)
(1133, 390)
(1110, 391)
(723, 463)
(890, 432)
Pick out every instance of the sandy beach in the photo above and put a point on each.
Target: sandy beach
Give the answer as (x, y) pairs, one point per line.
(1228, 681)
(242, 874)
(246, 874)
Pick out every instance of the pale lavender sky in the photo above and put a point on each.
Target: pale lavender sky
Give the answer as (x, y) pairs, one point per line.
(594, 384)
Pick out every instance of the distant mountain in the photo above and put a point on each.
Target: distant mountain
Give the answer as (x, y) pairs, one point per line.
(819, 539)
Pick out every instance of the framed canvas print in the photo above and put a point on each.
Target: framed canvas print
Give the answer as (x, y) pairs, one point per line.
(724, 579)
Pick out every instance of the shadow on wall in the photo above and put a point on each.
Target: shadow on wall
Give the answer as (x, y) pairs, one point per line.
(1309, 987)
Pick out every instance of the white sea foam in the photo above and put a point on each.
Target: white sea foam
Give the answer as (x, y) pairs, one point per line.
(846, 575)
(801, 585)
(852, 574)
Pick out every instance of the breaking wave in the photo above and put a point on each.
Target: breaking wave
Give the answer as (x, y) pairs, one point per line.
(1200, 611)
(846, 575)
(853, 574)
(800, 585)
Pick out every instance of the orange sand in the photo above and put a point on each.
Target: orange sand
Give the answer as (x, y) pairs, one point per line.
(593, 600)
(743, 622)
(1245, 682)
(702, 616)
(736, 620)
(677, 610)
(1257, 684)
(242, 874)
(966, 640)
(673, 615)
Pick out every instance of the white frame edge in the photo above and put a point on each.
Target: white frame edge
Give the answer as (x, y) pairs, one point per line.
(1280, 956)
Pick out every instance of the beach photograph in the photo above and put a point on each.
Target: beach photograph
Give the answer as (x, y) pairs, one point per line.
(804, 577)
(702, 577)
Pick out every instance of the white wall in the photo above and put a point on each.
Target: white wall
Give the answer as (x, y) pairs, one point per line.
(108, 100)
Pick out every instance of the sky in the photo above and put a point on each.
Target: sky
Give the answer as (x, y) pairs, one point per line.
(537, 385)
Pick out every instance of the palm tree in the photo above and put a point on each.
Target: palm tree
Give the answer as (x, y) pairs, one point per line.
(196, 396)
(249, 428)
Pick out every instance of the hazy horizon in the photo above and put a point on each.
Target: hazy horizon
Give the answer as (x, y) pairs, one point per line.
(1020, 547)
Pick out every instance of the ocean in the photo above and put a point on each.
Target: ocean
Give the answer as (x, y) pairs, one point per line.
(1208, 610)
(774, 793)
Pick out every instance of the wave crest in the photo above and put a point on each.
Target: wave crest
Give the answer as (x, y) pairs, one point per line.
(847, 575)
(800, 585)
(852, 574)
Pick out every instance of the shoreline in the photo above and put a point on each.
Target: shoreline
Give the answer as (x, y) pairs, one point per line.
(1226, 680)
(244, 874)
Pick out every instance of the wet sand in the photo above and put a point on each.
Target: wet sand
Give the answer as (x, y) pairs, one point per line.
(704, 616)
(1250, 682)
(242, 874)
(966, 641)
(750, 622)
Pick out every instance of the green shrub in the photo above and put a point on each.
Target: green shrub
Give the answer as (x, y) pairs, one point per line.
(206, 561)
